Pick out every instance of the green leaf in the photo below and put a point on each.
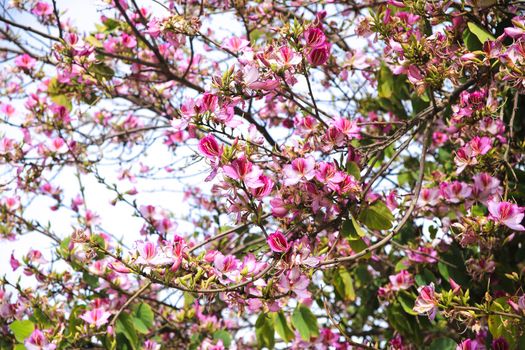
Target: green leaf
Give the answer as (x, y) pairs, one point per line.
(385, 82)
(402, 264)
(140, 326)
(264, 331)
(103, 70)
(145, 314)
(351, 230)
(377, 216)
(126, 327)
(353, 169)
(502, 326)
(344, 285)
(407, 302)
(471, 41)
(281, 326)
(62, 100)
(305, 322)
(19, 347)
(90, 279)
(188, 299)
(74, 321)
(443, 344)
(22, 329)
(41, 318)
(443, 270)
(478, 210)
(479, 32)
(224, 336)
(358, 246)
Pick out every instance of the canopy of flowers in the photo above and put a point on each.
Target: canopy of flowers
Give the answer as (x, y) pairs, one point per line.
(212, 174)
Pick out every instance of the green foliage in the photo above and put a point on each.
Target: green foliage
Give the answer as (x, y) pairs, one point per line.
(351, 230)
(443, 344)
(305, 322)
(126, 332)
(282, 326)
(376, 216)
(264, 331)
(344, 285)
(480, 32)
(224, 336)
(22, 329)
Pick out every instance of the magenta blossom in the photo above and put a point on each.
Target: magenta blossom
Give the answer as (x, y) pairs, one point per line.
(278, 242)
(301, 169)
(469, 344)
(295, 281)
(243, 170)
(423, 255)
(210, 148)
(403, 280)
(96, 317)
(426, 302)
(480, 145)
(319, 55)
(25, 62)
(485, 187)
(506, 213)
(314, 37)
(42, 8)
(38, 341)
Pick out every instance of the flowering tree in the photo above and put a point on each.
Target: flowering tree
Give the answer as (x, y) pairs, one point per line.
(352, 172)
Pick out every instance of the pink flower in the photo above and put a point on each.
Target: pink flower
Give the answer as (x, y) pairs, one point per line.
(328, 174)
(455, 191)
(209, 147)
(25, 62)
(423, 255)
(37, 341)
(480, 145)
(439, 138)
(514, 32)
(265, 189)
(286, 57)
(128, 41)
(403, 280)
(294, 281)
(236, 44)
(469, 344)
(347, 127)
(150, 345)
(319, 55)
(58, 145)
(426, 301)
(279, 209)
(227, 267)
(507, 214)
(428, 196)
(10, 203)
(300, 170)
(15, 264)
(349, 185)
(42, 9)
(314, 37)
(96, 317)
(242, 169)
(7, 109)
(485, 187)
(149, 254)
(464, 157)
(396, 3)
(278, 242)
